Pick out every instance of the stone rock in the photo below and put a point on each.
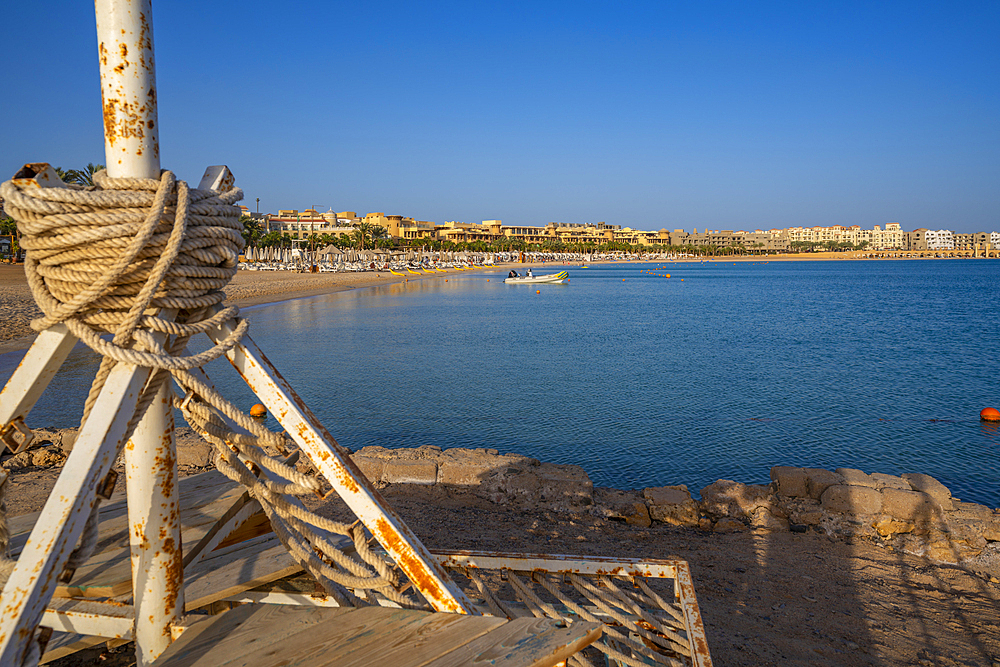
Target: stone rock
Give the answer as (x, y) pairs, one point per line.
(195, 453)
(19, 461)
(970, 511)
(672, 505)
(638, 516)
(666, 495)
(884, 481)
(930, 486)
(370, 466)
(45, 436)
(790, 481)
(968, 529)
(705, 523)
(818, 480)
(468, 467)
(624, 506)
(725, 497)
(565, 484)
(728, 525)
(617, 504)
(808, 518)
(46, 456)
(763, 520)
(992, 531)
(68, 439)
(886, 526)
(846, 499)
(940, 547)
(909, 505)
(971, 546)
(547, 485)
(855, 477)
(410, 471)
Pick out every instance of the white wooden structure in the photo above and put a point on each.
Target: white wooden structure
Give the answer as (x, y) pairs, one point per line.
(155, 515)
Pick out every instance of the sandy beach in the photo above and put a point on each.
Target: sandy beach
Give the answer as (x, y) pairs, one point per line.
(248, 288)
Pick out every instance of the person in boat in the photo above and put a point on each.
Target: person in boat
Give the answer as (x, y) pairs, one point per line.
(528, 273)
(512, 274)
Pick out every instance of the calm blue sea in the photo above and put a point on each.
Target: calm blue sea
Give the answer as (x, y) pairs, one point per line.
(645, 380)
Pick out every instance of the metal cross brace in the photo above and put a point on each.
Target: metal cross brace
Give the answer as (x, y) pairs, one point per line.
(24, 599)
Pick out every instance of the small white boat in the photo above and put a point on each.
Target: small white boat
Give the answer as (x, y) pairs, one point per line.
(560, 277)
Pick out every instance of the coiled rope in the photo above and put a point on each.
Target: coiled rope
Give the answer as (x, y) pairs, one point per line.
(145, 260)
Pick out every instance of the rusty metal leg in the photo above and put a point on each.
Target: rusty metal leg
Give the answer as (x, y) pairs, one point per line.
(348, 481)
(154, 528)
(62, 519)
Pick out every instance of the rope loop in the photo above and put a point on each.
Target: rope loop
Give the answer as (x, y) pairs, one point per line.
(146, 260)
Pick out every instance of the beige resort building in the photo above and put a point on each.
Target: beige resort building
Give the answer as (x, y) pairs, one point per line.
(300, 224)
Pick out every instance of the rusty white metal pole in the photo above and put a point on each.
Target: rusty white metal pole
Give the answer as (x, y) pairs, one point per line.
(154, 529)
(131, 147)
(128, 88)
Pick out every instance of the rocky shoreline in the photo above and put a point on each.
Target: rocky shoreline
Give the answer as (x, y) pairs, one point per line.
(783, 574)
(912, 513)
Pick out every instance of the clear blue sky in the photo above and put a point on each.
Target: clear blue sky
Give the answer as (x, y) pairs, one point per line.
(727, 115)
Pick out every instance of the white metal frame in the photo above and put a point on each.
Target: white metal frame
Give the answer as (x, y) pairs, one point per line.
(128, 84)
(156, 617)
(678, 570)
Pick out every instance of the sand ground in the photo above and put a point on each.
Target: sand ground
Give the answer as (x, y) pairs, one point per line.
(767, 599)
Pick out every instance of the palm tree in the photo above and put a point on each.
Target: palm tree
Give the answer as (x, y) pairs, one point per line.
(67, 176)
(83, 176)
(251, 231)
(8, 227)
(360, 235)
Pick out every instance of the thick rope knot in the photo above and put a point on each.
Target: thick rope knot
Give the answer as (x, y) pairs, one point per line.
(98, 258)
(130, 257)
(146, 261)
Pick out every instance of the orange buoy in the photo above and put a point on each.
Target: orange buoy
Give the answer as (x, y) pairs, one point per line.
(487, 280)
(990, 415)
(682, 280)
(538, 291)
(258, 411)
(668, 275)
(446, 280)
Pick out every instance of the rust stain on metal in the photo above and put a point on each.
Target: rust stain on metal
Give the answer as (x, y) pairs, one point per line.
(174, 574)
(413, 567)
(345, 478)
(108, 107)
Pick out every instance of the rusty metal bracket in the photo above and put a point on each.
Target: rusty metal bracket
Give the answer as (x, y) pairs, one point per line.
(9, 440)
(107, 486)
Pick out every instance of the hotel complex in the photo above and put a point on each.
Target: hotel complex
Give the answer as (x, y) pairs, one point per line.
(301, 224)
